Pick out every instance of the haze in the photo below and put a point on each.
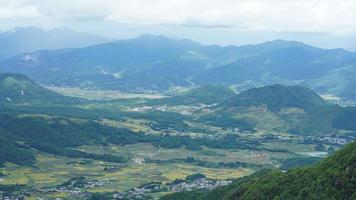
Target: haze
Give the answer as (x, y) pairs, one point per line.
(327, 24)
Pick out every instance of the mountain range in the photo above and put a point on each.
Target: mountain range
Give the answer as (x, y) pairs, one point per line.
(157, 63)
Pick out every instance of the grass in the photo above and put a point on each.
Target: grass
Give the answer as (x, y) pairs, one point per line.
(50, 171)
(101, 94)
(135, 125)
(259, 116)
(148, 151)
(292, 146)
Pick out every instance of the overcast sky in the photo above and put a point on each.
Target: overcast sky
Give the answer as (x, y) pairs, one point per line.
(325, 23)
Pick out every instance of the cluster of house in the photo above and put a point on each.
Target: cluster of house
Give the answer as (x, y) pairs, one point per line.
(201, 183)
(4, 196)
(142, 192)
(330, 139)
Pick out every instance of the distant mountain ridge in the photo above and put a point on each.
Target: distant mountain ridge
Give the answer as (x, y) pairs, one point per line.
(157, 63)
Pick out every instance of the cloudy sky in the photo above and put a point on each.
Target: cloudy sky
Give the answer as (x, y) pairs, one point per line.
(325, 23)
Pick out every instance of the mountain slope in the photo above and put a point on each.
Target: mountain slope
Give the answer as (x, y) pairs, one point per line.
(279, 108)
(21, 136)
(17, 88)
(29, 39)
(277, 61)
(208, 94)
(126, 64)
(331, 178)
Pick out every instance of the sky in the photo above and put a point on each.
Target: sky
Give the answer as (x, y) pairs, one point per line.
(324, 23)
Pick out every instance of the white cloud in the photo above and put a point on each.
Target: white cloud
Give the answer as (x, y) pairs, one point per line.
(18, 9)
(260, 15)
(327, 16)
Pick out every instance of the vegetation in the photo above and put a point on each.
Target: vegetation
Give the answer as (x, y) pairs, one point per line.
(294, 109)
(106, 146)
(332, 178)
(55, 136)
(298, 162)
(346, 119)
(276, 97)
(208, 94)
(10, 151)
(18, 88)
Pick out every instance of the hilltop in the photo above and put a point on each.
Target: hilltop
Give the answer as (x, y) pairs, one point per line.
(280, 108)
(276, 97)
(18, 88)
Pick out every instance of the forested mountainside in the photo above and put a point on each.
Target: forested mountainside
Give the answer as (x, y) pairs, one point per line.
(294, 109)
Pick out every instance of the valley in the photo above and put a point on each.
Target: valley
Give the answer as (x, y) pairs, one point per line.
(115, 147)
(149, 164)
(177, 100)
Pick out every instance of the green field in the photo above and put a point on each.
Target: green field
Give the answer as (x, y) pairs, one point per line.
(102, 94)
(52, 170)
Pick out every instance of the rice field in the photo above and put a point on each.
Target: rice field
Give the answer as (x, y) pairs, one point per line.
(50, 170)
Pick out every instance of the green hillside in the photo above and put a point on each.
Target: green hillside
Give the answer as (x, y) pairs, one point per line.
(208, 94)
(22, 136)
(331, 178)
(18, 88)
(276, 97)
(279, 108)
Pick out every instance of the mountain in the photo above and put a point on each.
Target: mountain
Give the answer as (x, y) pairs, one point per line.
(208, 94)
(18, 88)
(157, 63)
(339, 81)
(28, 39)
(276, 97)
(147, 61)
(23, 135)
(280, 108)
(331, 178)
(33, 118)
